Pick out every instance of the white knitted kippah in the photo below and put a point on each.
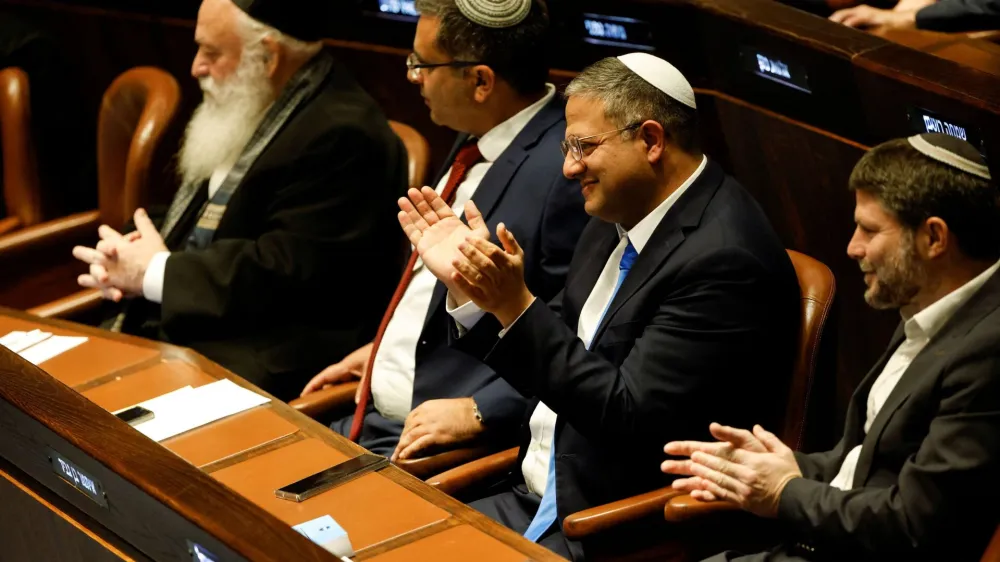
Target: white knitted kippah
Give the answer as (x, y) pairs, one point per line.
(661, 74)
(952, 151)
(495, 13)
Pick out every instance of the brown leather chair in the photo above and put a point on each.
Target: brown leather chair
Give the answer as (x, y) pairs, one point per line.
(817, 286)
(136, 111)
(418, 152)
(21, 192)
(992, 553)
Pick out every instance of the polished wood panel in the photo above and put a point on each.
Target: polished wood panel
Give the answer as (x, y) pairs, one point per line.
(125, 391)
(154, 478)
(458, 543)
(359, 509)
(85, 363)
(227, 438)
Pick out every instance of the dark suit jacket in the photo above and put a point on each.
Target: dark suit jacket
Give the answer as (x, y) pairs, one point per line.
(306, 255)
(703, 329)
(526, 190)
(960, 15)
(925, 487)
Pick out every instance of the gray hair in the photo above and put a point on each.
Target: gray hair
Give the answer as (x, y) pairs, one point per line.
(253, 32)
(628, 99)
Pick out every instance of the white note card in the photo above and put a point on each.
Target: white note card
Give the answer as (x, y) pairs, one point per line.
(50, 348)
(19, 341)
(189, 408)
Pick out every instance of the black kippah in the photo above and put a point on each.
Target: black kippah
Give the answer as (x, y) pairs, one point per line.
(306, 20)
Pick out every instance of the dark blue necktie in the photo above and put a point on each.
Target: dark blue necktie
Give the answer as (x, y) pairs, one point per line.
(546, 514)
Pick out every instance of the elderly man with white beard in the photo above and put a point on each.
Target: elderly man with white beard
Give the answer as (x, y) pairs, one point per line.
(271, 259)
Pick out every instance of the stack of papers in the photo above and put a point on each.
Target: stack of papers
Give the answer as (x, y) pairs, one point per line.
(189, 408)
(37, 346)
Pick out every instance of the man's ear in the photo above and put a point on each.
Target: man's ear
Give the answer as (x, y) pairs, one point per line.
(484, 80)
(654, 137)
(937, 235)
(272, 55)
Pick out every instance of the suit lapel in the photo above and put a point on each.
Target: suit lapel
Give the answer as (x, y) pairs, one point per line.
(502, 172)
(668, 235)
(983, 302)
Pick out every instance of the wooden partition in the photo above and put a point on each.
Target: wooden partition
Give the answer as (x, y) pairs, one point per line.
(791, 142)
(212, 486)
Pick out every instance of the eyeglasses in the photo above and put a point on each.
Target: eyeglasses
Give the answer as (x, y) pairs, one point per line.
(414, 66)
(573, 145)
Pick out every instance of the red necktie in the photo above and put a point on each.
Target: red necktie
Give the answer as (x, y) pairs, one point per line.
(467, 157)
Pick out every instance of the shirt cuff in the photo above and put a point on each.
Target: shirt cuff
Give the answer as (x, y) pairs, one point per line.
(507, 329)
(152, 281)
(466, 316)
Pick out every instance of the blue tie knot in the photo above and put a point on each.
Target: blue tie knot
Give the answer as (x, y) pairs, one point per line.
(628, 258)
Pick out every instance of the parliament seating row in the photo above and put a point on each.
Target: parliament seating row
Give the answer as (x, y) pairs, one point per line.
(791, 142)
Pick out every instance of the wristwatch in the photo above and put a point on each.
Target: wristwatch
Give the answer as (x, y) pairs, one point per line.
(475, 412)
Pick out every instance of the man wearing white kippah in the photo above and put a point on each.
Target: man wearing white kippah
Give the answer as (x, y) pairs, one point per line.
(914, 476)
(680, 304)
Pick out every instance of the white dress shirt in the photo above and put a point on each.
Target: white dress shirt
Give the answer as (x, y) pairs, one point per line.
(919, 328)
(152, 280)
(395, 361)
(542, 424)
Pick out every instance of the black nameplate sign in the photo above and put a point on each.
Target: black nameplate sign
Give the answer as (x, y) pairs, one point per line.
(617, 31)
(775, 68)
(924, 121)
(76, 477)
(403, 10)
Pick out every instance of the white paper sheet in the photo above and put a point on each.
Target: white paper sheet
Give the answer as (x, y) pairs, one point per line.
(50, 348)
(19, 341)
(190, 408)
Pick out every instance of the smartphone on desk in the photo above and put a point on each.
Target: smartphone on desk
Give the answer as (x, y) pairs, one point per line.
(333, 476)
(135, 415)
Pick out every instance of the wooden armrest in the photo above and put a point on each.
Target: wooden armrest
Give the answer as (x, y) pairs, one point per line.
(322, 401)
(591, 521)
(425, 467)
(461, 478)
(685, 508)
(8, 224)
(51, 232)
(70, 306)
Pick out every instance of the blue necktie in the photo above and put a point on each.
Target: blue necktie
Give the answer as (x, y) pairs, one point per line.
(546, 514)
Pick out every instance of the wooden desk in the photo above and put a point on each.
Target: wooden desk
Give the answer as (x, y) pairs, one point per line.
(156, 498)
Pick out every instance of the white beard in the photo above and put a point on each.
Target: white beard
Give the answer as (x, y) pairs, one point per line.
(226, 119)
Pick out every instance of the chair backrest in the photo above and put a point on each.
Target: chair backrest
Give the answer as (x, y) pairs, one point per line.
(136, 111)
(818, 287)
(418, 152)
(21, 191)
(992, 553)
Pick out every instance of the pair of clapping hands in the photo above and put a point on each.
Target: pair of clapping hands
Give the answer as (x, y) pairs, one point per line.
(462, 257)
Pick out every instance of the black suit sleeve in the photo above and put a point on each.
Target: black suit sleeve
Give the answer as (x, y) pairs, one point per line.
(318, 219)
(960, 15)
(562, 221)
(822, 467)
(672, 367)
(938, 489)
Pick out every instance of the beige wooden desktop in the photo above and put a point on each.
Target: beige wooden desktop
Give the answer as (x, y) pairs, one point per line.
(389, 515)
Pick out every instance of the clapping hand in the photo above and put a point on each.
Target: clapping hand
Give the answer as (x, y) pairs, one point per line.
(748, 469)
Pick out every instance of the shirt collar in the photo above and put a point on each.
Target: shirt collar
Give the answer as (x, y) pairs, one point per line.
(497, 139)
(641, 232)
(930, 320)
